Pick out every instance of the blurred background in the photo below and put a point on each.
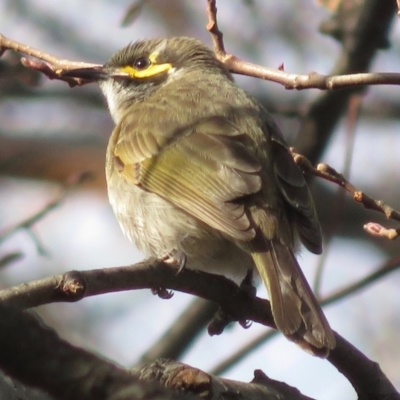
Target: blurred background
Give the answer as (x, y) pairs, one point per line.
(50, 134)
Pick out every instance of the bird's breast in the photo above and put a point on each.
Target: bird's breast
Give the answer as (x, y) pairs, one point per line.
(157, 227)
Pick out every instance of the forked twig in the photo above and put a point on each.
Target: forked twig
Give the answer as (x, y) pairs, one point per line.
(278, 75)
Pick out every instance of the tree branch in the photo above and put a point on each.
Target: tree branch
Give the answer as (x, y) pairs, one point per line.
(183, 330)
(49, 65)
(53, 67)
(238, 304)
(149, 274)
(36, 356)
(328, 173)
(290, 81)
(388, 267)
(74, 181)
(181, 376)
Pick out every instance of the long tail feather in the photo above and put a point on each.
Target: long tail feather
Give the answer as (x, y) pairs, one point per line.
(296, 312)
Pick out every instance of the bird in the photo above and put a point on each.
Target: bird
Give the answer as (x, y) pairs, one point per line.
(199, 174)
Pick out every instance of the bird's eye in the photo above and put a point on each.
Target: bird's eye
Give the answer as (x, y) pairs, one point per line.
(142, 63)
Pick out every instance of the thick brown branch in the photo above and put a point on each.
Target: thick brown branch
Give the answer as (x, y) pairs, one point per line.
(388, 267)
(152, 274)
(75, 285)
(36, 356)
(181, 376)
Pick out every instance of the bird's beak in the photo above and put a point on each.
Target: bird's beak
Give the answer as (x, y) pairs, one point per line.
(95, 74)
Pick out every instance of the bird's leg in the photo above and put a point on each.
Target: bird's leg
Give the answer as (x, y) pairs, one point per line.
(221, 319)
(176, 258)
(219, 322)
(247, 283)
(248, 286)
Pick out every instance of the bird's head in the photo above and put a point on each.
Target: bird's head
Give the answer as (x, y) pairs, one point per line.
(133, 73)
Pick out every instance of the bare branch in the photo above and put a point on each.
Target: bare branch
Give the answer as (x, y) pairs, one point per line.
(50, 65)
(328, 173)
(388, 267)
(183, 330)
(289, 81)
(33, 158)
(216, 34)
(28, 222)
(36, 356)
(10, 258)
(75, 285)
(181, 376)
(53, 67)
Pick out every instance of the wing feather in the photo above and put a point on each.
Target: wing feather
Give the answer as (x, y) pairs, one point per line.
(295, 191)
(204, 172)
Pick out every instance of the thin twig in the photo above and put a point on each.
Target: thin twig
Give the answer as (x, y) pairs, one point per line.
(328, 173)
(28, 222)
(53, 67)
(49, 65)
(10, 258)
(289, 81)
(336, 216)
(212, 27)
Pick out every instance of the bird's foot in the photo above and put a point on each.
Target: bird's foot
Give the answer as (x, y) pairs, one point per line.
(244, 323)
(175, 257)
(219, 322)
(162, 293)
(247, 284)
(222, 319)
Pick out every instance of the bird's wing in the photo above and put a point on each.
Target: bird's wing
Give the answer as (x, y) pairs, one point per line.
(293, 186)
(202, 170)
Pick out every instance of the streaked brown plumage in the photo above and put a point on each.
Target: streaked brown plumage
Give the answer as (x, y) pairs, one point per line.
(196, 167)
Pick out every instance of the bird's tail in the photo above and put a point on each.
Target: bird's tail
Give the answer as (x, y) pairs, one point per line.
(296, 311)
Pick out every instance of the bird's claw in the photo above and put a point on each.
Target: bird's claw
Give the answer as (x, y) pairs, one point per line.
(162, 293)
(244, 323)
(177, 258)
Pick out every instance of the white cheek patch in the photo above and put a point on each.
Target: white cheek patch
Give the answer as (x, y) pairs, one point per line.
(174, 73)
(109, 92)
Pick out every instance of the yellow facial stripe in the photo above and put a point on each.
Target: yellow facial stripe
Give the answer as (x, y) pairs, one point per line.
(153, 70)
(153, 57)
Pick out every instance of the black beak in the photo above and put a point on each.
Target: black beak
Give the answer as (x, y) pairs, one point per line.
(93, 74)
